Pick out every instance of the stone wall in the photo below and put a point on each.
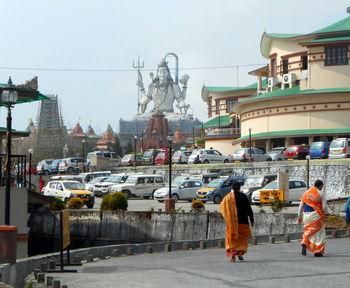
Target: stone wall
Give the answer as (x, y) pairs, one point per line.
(335, 173)
(92, 228)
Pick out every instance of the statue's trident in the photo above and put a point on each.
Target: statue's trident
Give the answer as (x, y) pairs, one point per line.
(139, 81)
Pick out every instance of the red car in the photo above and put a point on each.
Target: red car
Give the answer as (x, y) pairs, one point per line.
(297, 152)
(162, 158)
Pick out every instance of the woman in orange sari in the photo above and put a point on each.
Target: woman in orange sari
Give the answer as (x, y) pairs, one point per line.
(313, 206)
(235, 208)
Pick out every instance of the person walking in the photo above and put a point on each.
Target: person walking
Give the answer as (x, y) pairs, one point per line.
(41, 184)
(235, 208)
(312, 210)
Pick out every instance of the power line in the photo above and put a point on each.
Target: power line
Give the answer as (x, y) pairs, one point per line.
(121, 70)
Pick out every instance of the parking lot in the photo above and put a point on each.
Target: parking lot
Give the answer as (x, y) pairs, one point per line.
(149, 204)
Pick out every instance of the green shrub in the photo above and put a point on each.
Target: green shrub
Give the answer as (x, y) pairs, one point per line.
(197, 205)
(115, 201)
(75, 203)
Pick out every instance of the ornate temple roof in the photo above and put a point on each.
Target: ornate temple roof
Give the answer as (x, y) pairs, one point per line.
(91, 133)
(108, 136)
(78, 131)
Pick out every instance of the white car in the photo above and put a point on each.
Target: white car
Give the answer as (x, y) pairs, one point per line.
(68, 189)
(104, 187)
(140, 185)
(90, 185)
(296, 189)
(207, 156)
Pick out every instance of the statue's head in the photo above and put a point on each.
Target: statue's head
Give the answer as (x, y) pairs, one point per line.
(163, 73)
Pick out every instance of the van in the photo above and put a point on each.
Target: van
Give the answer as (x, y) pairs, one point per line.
(113, 157)
(140, 185)
(319, 150)
(339, 148)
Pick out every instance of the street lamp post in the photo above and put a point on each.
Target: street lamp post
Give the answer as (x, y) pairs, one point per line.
(170, 202)
(135, 143)
(83, 142)
(9, 97)
(250, 144)
(30, 151)
(308, 171)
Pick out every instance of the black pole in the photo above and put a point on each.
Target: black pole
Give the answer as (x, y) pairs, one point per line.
(135, 139)
(193, 135)
(308, 172)
(250, 144)
(83, 156)
(8, 167)
(30, 170)
(170, 162)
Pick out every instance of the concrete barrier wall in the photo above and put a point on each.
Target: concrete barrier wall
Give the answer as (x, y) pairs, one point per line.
(92, 228)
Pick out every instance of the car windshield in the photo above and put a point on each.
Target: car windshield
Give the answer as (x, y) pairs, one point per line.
(126, 157)
(197, 152)
(74, 186)
(337, 144)
(113, 178)
(239, 151)
(56, 161)
(275, 151)
(177, 153)
(98, 179)
(316, 145)
(271, 185)
(131, 180)
(161, 155)
(253, 181)
(215, 183)
(147, 154)
(293, 148)
(178, 181)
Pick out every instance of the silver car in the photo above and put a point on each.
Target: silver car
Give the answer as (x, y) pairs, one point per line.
(181, 156)
(102, 188)
(339, 148)
(277, 154)
(180, 190)
(244, 154)
(207, 156)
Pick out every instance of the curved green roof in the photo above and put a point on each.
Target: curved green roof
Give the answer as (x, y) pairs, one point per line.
(222, 121)
(282, 35)
(342, 25)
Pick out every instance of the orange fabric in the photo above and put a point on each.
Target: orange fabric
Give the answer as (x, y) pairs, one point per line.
(237, 235)
(314, 227)
(312, 198)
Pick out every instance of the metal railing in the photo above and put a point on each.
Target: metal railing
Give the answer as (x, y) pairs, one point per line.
(222, 131)
(18, 170)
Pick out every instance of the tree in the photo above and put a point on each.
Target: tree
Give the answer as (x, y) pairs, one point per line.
(129, 148)
(116, 147)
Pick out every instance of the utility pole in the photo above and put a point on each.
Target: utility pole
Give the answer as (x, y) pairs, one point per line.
(139, 76)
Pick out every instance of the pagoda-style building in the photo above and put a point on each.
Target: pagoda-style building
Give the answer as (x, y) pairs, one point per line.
(107, 140)
(157, 132)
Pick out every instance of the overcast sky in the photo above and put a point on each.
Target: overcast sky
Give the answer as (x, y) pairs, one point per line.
(107, 34)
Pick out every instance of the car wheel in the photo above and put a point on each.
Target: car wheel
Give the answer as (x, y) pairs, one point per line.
(146, 197)
(175, 197)
(47, 172)
(226, 161)
(90, 206)
(70, 170)
(279, 159)
(160, 201)
(126, 193)
(217, 199)
(268, 159)
(206, 161)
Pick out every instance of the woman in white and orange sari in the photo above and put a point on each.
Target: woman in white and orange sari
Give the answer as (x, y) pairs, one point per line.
(312, 209)
(235, 208)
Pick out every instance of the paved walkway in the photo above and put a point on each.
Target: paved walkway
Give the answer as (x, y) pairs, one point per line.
(266, 265)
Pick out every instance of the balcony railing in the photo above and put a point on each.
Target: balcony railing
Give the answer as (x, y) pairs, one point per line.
(222, 132)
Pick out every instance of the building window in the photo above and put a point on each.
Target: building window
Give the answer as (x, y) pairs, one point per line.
(337, 55)
(217, 107)
(273, 67)
(285, 66)
(230, 104)
(303, 60)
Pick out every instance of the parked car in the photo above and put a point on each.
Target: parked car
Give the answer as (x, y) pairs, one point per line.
(296, 189)
(149, 156)
(244, 154)
(86, 177)
(207, 156)
(68, 189)
(319, 150)
(297, 152)
(90, 185)
(141, 185)
(181, 156)
(112, 156)
(55, 165)
(162, 158)
(255, 182)
(71, 165)
(129, 160)
(277, 154)
(339, 148)
(104, 187)
(180, 190)
(43, 167)
(217, 189)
